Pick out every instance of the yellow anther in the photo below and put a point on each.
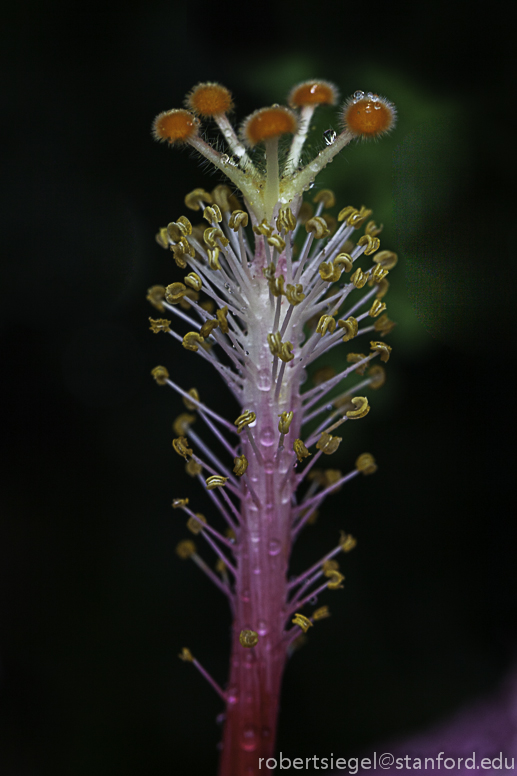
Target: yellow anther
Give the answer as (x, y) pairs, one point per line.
(372, 228)
(378, 274)
(177, 503)
(244, 420)
(335, 580)
(350, 328)
(318, 227)
(194, 199)
(366, 464)
(362, 408)
(222, 196)
(276, 241)
(275, 343)
(185, 549)
(286, 353)
(358, 218)
(302, 621)
(237, 219)
(305, 212)
(321, 614)
(248, 638)
(213, 258)
(192, 468)
(269, 271)
(382, 288)
(193, 281)
(263, 228)
(212, 234)
(181, 249)
(185, 224)
(195, 395)
(300, 449)
(159, 324)
(178, 230)
(160, 374)
(377, 308)
(220, 566)
(359, 278)
(323, 374)
(241, 464)
(155, 295)
(328, 272)
(208, 305)
(382, 348)
(194, 525)
(343, 260)
(325, 323)
(326, 196)
(294, 293)
(327, 443)
(208, 327)
(285, 422)
(186, 655)
(346, 541)
(330, 477)
(346, 212)
(185, 303)
(386, 259)
(330, 565)
(377, 375)
(180, 445)
(182, 423)
(215, 481)
(276, 285)
(331, 222)
(212, 214)
(342, 402)
(192, 340)
(285, 220)
(162, 238)
(174, 292)
(383, 325)
(372, 243)
(353, 358)
(221, 314)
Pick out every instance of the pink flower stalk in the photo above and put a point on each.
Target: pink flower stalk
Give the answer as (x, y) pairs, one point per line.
(275, 300)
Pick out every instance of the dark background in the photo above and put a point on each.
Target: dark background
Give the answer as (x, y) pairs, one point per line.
(94, 603)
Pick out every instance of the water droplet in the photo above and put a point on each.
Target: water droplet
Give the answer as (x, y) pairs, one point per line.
(329, 136)
(232, 695)
(264, 379)
(220, 718)
(245, 597)
(269, 467)
(274, 547)
(225, 159)
(358, 95)
(329, 407)
(247, 352)
(249, 739)
(255, 537)
(227, 286)
(313, 600)
(257, 570)
(262, 627)
(267, 437)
